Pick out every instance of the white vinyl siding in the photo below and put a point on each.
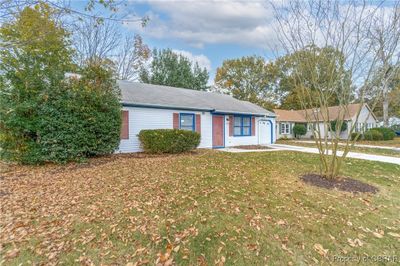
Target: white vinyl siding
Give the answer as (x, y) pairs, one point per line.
(152, 118)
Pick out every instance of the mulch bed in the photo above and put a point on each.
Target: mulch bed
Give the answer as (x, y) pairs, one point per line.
(343, 184)
(252, 147)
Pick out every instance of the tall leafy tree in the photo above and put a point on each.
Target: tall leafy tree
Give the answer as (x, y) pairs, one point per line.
(389, 98)
(172, 69)
(247, 78)
(43, 115)
(34, 58)
(291, 73)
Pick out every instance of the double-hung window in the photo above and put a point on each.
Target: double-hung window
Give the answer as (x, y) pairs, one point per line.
(242, 126)
(285, 128)
(360, 127)
(187, 122)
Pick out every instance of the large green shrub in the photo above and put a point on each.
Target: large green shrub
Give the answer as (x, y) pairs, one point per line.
(388, 133)
(299, 130)
(82, 118)
(168, 140)
(373, 134)
(342, 128)
(43, 116)
(79, 118)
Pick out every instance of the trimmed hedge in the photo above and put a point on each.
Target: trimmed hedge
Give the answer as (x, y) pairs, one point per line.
(388, 134)
(299, 130)
(373, 134)
(168, 140)
(343, 127)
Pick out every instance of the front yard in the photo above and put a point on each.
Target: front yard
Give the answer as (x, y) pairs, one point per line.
(204, 208)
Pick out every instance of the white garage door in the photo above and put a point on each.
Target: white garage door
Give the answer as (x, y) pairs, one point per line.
(264, 132)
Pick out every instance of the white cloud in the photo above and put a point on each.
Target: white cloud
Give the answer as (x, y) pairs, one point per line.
(210, 22)
(202, 60)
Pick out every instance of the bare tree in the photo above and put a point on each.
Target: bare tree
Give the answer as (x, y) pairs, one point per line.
(94, 39)
(385, 40)
(344, 28)
(131, 57)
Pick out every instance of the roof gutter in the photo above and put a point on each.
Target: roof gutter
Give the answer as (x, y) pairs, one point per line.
(243, 113)
(169, 107)
(146, 105)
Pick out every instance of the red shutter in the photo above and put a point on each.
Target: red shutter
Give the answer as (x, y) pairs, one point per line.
(125, 125)
(253, 126)
(175, 122)
(231, 125)
(198, 124)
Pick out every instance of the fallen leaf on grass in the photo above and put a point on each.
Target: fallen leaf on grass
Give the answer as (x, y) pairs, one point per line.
(12, 253)
(201, 260)
(378, 235)
(355, 243)
(281, 222)
(394, 234)
(320, 249)
(221, 261)
(176, 249)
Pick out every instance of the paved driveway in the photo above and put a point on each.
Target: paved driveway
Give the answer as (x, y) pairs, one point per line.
(356, 145)
(355, 155)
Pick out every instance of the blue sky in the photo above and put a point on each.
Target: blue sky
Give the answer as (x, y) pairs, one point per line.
(207, 31)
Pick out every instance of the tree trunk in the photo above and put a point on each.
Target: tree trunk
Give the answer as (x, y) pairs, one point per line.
(385, 105)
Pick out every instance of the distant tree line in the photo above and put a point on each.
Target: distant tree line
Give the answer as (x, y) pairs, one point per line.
(275, 84)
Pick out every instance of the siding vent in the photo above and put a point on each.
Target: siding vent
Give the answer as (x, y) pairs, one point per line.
(253, 126)
(198, 124)
(175, 121)
(125, 125)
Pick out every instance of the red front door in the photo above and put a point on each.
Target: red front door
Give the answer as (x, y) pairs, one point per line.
(218, 130)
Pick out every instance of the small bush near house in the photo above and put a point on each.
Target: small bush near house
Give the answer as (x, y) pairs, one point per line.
(373, 134)
(299, 130)
(168, 140)
(388, 134)
(342, 128)
(356, 136)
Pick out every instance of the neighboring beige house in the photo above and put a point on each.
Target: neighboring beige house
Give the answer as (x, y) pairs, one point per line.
(286, 119)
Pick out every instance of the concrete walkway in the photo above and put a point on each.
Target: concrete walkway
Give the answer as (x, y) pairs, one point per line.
(356, 145)
(355, 155)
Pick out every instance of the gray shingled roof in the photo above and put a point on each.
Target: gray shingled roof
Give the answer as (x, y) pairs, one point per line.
(141, 94)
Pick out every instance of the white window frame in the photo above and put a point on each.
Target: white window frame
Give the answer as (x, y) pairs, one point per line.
(285, 128)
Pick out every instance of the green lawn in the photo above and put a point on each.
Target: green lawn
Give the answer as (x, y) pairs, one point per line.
(376, 151)
(392, 143)
(205, 208)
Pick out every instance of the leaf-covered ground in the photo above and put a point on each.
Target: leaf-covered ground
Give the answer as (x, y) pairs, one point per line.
(204, 208)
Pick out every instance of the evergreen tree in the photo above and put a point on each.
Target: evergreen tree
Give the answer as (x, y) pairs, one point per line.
(171, 69)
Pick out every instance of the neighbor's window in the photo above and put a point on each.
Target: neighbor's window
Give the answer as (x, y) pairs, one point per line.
(187, 122)
(360, 127)
(285, 128)
(242, 126)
